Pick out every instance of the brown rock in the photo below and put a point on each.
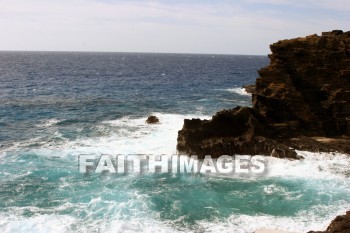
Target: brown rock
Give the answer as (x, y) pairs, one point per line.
(152, 120)
(305, 83)
(304, 93)
(229, 132)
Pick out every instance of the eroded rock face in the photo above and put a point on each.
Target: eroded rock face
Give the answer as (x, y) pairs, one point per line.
(307, 85)
(303, 93)
(237, 131)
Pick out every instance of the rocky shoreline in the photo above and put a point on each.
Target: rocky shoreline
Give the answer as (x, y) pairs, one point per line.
(300, 101)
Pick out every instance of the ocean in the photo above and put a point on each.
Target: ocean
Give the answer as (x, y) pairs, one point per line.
(56, 106)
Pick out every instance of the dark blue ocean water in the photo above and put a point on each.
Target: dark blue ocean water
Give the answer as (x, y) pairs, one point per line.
(57, 106)
(87, 88)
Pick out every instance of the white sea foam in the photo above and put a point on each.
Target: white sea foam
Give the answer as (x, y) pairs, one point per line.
(304, 221)
(48, 123)
(125, 135)
(132, 136)
(52, 223)
(238, 90)
(68, 224)
(37, 224)
(315, 165)
(128, 135)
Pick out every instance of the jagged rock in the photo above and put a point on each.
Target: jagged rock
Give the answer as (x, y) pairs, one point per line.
(279, 153)
(249, 88)
(235, 131)
(152, 120)
(341, 224)
(307, 83)
(304, 93)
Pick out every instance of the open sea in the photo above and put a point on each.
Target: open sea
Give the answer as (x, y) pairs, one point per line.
(57, 106)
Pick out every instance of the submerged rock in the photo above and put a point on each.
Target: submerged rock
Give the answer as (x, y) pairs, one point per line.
(303, 94)
(152, 120)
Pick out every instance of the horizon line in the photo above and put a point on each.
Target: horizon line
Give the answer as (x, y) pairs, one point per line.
(87, 51)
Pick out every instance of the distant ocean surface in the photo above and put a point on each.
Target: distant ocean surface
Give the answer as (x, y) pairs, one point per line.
(56, 106)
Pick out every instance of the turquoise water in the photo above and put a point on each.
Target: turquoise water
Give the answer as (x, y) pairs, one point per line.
(57, 106)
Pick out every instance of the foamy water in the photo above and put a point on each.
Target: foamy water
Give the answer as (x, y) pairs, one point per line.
(239, 90)
(134, 203)
(57, 106)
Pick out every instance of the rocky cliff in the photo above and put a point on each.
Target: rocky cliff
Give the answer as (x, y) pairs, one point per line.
(300, 101)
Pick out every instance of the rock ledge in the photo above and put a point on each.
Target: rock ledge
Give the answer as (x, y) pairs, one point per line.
(302, 96)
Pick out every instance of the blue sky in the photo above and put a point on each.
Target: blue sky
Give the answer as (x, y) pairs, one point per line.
(192, 26)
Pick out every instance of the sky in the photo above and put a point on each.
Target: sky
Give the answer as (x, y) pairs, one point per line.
(192, 26)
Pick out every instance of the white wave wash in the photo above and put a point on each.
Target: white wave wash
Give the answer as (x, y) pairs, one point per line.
(303, 222)
(132, 136)
(51, 223)
(48, 123)
(239, 91)
(315, 165)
